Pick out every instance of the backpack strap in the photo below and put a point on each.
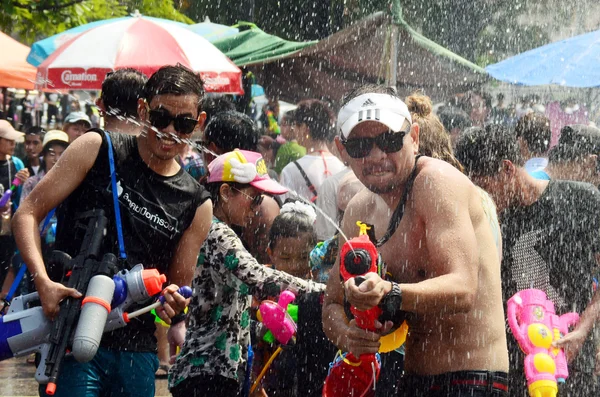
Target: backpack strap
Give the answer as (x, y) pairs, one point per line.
(309, 184)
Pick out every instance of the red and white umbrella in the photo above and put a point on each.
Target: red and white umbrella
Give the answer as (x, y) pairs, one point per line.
(140, 43)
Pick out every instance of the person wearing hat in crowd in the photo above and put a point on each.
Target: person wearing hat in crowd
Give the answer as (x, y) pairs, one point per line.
(10, 168)
(442, 270)
(214, 356)
(54, 144)
(576, 157)
(76, 124)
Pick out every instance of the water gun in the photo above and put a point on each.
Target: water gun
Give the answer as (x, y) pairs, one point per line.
(277, 317)
(7, 194)
(535, 325)
(273, 125)
(349, 375)
(80, 323)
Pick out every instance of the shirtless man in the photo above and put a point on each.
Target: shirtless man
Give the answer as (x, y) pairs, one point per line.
(442, 258)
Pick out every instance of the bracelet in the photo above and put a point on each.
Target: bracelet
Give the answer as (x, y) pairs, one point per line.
(176, 319)
(391, 303)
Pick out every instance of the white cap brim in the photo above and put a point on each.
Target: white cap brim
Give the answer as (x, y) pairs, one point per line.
(382, 108)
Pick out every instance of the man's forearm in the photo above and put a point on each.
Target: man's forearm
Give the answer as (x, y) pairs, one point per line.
(334, 322)
(448, 293)
(28, 242)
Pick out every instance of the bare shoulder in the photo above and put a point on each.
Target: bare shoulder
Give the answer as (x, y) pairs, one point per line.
(361, 207)
(439, 183)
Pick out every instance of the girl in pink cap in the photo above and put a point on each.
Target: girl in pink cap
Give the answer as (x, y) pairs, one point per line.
(214, 356)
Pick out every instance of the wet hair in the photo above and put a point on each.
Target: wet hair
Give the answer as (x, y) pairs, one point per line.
(289, 117)
(213, 105)
(576, 141)
(35, 130)
(452, 117)
(121, 91)
(318, 117)
(174, 80)
(291, 224)
(535, 130)
(232, 130)
(368, 89)
(481, 150)
(434, 140)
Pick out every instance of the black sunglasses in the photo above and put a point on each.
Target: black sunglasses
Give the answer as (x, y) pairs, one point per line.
(161, 118)
(388, 142)
(256, 200)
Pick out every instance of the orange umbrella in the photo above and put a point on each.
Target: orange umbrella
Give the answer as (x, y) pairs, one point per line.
(15, 72)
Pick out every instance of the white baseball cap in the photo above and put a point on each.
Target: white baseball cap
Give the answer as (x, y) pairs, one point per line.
(8, 132)
(383, 108)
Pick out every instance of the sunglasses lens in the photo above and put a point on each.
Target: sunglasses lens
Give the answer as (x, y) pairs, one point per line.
(159, 119)
(185, 125)
(358, 148)
(390, 142)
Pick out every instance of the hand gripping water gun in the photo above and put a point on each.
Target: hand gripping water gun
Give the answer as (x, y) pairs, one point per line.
(282, 327)
(535, 325)
(348, 375)
(7, 194)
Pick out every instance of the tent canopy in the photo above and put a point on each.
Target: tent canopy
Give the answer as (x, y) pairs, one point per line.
(15, 72)
(360, 54)
(253, 45)
(572, 63)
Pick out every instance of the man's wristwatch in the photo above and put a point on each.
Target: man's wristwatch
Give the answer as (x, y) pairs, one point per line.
(391, 303)
(176, 319)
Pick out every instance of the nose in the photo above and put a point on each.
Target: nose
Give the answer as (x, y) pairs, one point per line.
(376, 154)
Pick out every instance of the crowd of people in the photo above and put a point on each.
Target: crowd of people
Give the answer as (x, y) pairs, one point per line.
(468, 204)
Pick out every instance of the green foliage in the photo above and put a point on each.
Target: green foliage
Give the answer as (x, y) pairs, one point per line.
(32, 20)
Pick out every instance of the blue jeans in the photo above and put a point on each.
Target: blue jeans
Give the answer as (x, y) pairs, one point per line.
(111, 373)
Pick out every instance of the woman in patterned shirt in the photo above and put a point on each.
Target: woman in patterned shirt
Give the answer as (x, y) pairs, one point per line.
(213, 359)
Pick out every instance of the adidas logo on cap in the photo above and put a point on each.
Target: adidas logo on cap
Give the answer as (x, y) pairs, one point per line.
(368, 102)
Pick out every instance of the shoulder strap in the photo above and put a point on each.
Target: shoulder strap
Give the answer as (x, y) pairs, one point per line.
(309, 184)
(115, 194)
(399, 211)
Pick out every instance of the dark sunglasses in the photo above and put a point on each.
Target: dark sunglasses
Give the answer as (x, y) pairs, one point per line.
(388, 142)
(161, 119)
(256, 200)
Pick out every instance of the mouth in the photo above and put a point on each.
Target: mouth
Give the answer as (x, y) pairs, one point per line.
(378, 171)
(166, 142)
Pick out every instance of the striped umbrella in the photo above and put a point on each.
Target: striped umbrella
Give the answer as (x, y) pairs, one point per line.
(141, 43)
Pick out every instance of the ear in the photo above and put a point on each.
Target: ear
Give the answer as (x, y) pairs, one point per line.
(224, 192)
(100, 105)
(508, 168)
(142, 109)
(201, 121)
(270, 252)
(414, 134)
(340, 147)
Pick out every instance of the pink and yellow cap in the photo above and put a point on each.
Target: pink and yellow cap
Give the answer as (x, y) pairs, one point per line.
(243, 166)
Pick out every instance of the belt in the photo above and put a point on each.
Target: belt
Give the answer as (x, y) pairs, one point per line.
(483, 379)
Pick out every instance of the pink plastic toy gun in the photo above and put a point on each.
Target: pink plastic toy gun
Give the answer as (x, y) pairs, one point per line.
(274, 316)
(7, 194)
(535, 325)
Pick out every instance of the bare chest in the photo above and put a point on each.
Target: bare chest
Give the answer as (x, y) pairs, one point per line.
(405, 254)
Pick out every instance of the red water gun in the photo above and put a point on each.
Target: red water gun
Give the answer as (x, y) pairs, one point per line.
(349, 375)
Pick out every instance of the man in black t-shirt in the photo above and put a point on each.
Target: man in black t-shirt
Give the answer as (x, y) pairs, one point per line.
(165, 217)
(551, 236)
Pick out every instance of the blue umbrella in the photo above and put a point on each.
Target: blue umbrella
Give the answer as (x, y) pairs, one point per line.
(42, 49)
(572, 62)
(213, 31)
